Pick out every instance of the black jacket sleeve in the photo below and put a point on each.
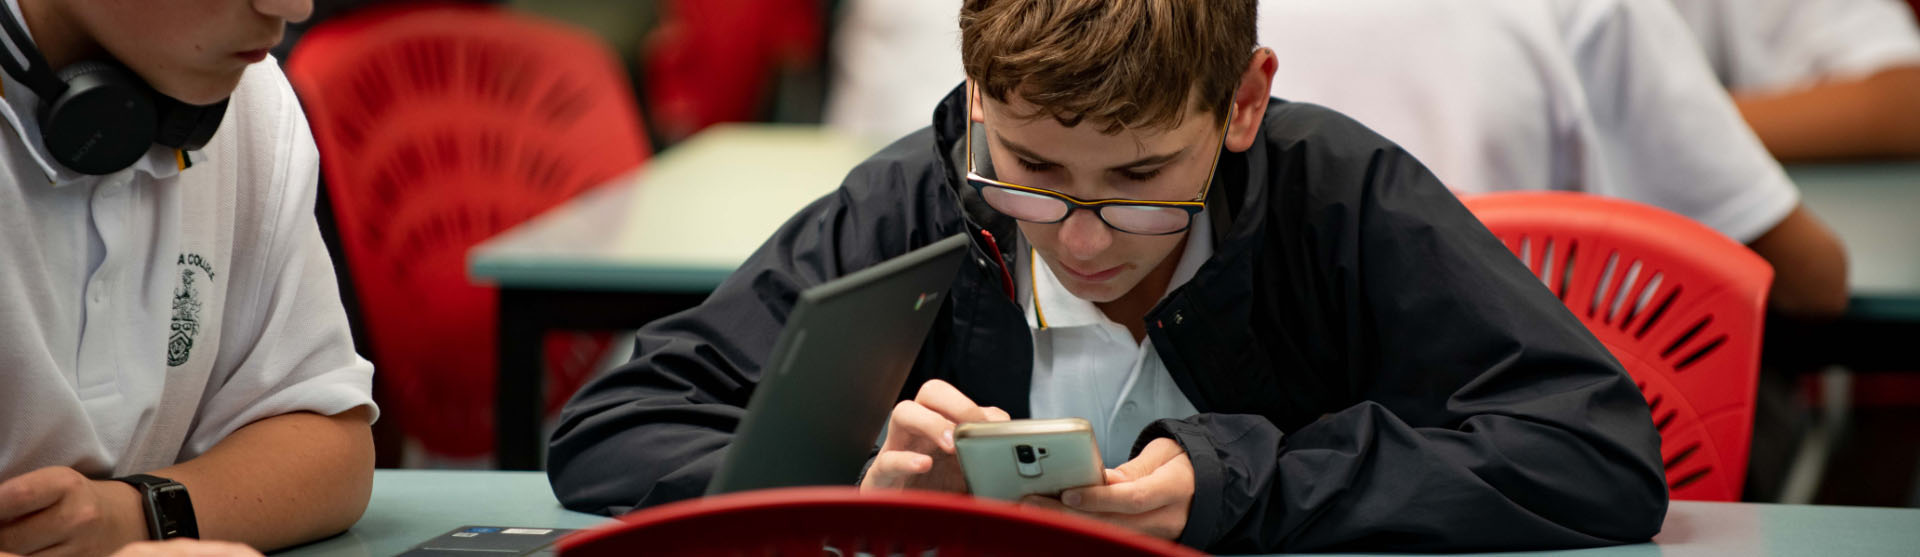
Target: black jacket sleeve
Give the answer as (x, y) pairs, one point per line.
(654, 430)
(1485, 416)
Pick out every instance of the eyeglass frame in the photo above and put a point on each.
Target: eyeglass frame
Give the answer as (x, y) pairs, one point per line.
(1191, 207)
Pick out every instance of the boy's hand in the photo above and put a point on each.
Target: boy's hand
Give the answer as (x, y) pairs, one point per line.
(1150, 493)
(58, 511)
(186, 548)
(918, 451)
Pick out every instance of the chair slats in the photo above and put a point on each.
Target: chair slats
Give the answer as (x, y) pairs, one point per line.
(1681, 307)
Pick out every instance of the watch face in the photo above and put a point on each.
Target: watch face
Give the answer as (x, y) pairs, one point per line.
(172, 512)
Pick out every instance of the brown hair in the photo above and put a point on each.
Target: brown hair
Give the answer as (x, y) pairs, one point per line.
(1122, 63)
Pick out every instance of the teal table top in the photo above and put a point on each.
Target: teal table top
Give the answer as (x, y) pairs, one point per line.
(682, 222)
(411, 506)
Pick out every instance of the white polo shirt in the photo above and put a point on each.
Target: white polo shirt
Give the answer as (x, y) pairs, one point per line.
(1087, 366)
(147, 314)
(1771, 45)
(1609, 97)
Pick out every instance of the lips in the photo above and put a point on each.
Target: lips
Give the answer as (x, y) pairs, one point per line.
(1096, 276)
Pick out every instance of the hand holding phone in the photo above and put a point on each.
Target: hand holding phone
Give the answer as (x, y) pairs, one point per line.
(918, 451)
(1151, 493)
(1011, 459)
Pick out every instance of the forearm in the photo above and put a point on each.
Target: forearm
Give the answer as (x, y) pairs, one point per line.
(1809, 267)
(283, 480)
(1870, 117)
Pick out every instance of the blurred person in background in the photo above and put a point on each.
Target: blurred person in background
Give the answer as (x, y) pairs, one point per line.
(1817, 79)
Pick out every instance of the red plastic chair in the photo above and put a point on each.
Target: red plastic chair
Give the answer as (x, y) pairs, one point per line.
(1679, 305)
(714, 61)
(439, 126)
(841, 521)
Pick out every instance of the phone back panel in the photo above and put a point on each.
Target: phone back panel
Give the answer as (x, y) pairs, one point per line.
(1061, 461)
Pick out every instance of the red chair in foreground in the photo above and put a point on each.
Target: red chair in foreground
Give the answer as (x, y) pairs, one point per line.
(439, 126)
(1679, 305)
(841, 521)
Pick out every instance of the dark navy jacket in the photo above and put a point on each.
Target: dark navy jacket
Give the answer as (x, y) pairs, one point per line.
(1373, 369)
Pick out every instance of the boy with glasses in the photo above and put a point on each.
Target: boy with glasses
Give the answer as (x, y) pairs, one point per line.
(1287, 334)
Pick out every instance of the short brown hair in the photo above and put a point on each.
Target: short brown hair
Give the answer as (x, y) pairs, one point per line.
(1122, 63)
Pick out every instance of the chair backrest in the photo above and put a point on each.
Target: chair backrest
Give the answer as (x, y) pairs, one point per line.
(842, 521)
(1679, 305)
(714, 61)
(440, 125)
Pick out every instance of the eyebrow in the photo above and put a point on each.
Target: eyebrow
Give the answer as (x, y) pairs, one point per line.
(1028, 154)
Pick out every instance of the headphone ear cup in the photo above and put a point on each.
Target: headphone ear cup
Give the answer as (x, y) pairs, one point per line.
(103, 123)
(186, 126)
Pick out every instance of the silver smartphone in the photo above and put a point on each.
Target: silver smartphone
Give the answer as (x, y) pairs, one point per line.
(1011, 459)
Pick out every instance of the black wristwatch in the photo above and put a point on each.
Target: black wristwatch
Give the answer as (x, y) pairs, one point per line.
(169, 510)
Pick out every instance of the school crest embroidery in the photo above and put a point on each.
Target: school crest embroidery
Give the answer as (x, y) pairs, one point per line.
(185, 325)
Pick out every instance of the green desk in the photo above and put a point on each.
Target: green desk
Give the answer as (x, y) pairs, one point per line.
(411, 506)
(1875, 209)
(642, 247)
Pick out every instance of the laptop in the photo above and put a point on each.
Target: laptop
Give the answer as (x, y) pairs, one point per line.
(835, 372)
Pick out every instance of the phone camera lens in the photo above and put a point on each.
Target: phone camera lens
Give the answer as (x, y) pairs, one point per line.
(1024, 453)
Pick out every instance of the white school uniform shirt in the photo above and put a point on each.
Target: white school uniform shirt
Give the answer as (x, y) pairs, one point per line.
(1609, 97)
(147, 314)
(1776, 45)
(1087, 366)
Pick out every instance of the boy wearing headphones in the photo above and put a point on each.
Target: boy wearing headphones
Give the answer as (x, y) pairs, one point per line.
(176, 359)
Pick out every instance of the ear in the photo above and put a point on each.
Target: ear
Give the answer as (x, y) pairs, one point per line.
(975, 111)
(1250, 99)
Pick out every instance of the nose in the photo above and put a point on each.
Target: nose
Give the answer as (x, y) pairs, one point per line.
(1084, 236)
(293, 11)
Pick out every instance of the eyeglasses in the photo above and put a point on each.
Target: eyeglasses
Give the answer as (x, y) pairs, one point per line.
(1133, 216)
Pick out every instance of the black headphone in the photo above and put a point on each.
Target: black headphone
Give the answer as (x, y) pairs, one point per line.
(98, 117)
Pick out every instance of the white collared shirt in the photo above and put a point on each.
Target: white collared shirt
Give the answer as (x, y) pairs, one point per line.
(1609, 97)
(147, 314)
(1087, 366)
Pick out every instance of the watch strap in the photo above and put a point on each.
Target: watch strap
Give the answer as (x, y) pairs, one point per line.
(166, 505)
